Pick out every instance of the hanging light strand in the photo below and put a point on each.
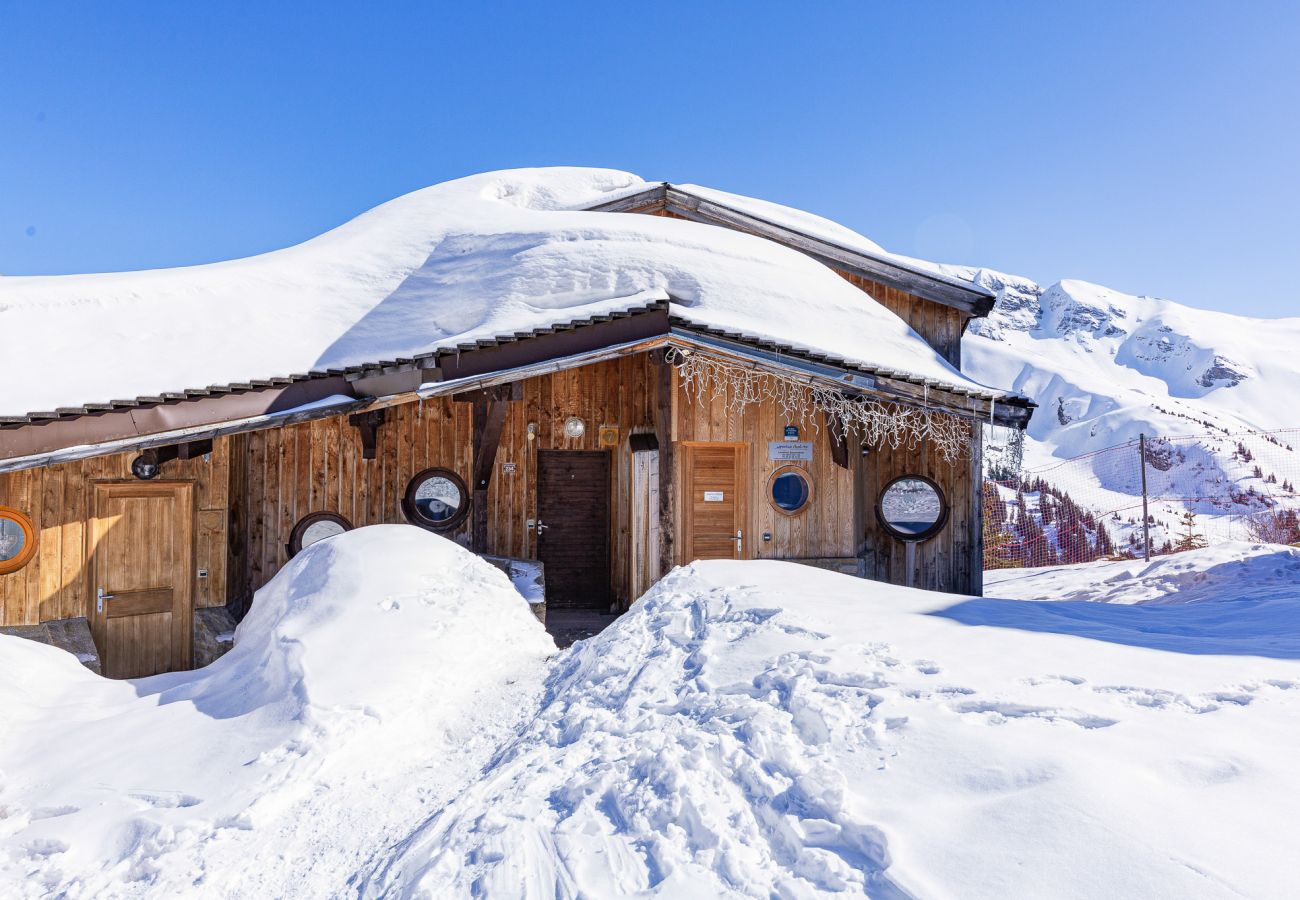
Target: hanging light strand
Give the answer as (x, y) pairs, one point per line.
(878, 424)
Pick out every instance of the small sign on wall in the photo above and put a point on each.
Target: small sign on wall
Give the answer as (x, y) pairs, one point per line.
(508, 468)
(792, 432)
(713, 496)
(789, 451)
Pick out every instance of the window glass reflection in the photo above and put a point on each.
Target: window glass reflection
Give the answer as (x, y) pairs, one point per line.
(438, 499)
(911, 506)
(12, 539)
(790, 491)
(320, 530)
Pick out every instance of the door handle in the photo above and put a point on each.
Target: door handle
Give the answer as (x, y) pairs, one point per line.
(541, 527)
(100, 597)
(740, 540)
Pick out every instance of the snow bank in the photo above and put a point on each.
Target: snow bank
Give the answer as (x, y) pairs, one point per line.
(388, 725)
(763, 729)
(370, 656)
(1229, 571)
(481, 256)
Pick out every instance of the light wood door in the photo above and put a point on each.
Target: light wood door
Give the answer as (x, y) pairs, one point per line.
(715, 484)
(573, 527)
(141, 594)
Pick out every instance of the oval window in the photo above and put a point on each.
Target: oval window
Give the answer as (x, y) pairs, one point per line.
(436, 499)
(17, 540)
(789, 490)
(314, 528)
(912, 508)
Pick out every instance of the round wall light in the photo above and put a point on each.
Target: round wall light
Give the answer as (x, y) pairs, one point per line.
(574, 427)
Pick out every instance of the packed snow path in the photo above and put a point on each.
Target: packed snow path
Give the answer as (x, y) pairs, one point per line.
(388, 726)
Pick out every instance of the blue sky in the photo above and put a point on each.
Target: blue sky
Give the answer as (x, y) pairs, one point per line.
(1154, 148)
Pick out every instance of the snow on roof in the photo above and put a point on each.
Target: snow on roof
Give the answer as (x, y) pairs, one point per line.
(829, 232)
(477, 257)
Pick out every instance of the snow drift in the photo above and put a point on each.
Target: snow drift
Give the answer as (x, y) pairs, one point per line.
(475, 258)
(389, 725)
(761, 729)
(382, 651)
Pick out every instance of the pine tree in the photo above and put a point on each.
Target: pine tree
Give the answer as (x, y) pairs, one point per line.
(1000, 551)
(1189, 539)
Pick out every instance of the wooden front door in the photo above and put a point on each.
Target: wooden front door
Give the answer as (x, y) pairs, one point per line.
(141, 599)
(573, 527)
(713, 514)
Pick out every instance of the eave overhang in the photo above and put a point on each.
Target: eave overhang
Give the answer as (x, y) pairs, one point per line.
(973, 300)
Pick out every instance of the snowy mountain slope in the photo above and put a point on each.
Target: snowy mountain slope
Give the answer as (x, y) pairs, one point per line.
(389, 725)
(1107, 366)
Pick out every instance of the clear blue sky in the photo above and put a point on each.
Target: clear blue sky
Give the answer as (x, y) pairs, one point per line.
(1151, 147)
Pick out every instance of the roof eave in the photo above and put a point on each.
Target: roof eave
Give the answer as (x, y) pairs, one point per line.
(972, 299)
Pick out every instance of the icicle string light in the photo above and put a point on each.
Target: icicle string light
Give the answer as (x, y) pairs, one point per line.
(877, 424)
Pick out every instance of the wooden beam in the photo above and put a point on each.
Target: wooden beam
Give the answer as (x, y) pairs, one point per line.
(511, 391)
(367, 423)
(664, 406)
(839, 445)
(489, 421)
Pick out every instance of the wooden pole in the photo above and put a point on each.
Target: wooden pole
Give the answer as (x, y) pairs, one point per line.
(1146, 519)
(664, 408)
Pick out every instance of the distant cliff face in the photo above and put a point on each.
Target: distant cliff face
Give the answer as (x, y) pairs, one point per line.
(1106, 366)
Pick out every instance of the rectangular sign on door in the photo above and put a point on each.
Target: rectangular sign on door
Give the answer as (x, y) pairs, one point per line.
(713, 496)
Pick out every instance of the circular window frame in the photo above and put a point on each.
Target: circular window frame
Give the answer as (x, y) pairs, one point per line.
(921, 536)
(295, 537)
(409, 509)
(807, 480)
(30, 538)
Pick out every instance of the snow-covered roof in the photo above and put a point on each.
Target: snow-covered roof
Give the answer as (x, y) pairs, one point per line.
(492, 254)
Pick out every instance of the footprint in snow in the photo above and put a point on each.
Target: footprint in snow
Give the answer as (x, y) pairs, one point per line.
(166, 799)
(999, 713)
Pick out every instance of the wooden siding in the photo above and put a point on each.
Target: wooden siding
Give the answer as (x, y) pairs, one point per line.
(56, 584)
(941, 326)
(950, 561)
(826, 529)
(317, 466)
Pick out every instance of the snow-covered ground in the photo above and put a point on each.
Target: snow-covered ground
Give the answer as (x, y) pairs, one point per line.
(389, 725)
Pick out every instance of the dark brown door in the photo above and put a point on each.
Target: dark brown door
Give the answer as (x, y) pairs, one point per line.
(573, 527)
(140, 606)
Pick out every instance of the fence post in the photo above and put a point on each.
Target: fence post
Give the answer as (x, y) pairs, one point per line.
(1146, 519)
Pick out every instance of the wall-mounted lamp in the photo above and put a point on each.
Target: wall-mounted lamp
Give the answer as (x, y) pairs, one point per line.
(574, 427)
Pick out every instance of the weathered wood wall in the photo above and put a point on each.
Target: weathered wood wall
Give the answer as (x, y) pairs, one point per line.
(317, 466)
(826, 529)
(951, 560)
(59, 500)
(940, 325)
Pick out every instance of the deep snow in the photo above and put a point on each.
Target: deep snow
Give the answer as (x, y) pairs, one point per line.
(482, 256)
(388, 725)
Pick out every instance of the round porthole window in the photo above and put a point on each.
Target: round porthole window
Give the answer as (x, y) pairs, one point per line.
(912, 508)
(17, 540)
(790, 490)
(436, 499)
(312, 529)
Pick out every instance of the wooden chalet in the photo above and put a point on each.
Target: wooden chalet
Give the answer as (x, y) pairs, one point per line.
(590, 445)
